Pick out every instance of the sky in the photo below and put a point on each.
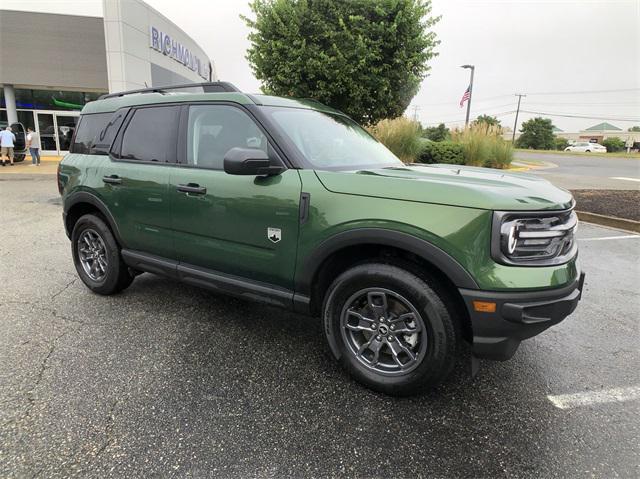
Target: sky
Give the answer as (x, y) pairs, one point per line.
(578, 58)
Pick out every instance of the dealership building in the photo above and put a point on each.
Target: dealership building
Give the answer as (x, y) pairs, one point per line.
(51, 64)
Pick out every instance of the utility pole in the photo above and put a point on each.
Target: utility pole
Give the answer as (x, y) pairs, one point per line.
(515, 124)
(473, 69)
(415, 112)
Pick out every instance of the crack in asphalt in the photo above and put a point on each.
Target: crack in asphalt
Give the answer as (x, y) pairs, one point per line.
(43, 366)
(64, 288)
(108, 429)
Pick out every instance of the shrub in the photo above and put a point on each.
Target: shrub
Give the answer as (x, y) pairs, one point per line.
(501, 154)
(400, 135)
(441, 152)
(561, 143)
(613, 144)
(483, 145)
(437, 133)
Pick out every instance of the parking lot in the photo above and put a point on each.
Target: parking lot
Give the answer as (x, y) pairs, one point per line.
(169, 380)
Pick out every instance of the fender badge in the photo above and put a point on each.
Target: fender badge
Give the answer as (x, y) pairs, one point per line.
(274, 234)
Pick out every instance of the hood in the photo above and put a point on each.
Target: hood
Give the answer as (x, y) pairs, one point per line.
(465, 186)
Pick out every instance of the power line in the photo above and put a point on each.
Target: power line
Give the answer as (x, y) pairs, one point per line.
(568, 115)
(454, 102)
(580, 103)
(584, 92)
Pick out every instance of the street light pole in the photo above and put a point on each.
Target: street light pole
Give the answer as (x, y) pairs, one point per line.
(472, 68)
(515, 124)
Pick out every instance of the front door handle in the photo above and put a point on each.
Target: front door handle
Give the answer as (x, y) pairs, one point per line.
(112, 179)
(192, 188)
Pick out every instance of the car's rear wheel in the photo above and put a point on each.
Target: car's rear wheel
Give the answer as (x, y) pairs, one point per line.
(97, 258)
(389, 328)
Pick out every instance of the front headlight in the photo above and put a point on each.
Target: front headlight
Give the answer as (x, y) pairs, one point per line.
(534, 238)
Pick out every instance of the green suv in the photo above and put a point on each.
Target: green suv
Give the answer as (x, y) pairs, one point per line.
(291, 203)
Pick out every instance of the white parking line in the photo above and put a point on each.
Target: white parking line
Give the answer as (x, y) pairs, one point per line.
(568, 401)
(602, 238)
(624, 178)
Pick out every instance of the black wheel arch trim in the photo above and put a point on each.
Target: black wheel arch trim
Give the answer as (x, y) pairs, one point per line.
(86, 197)
(383, 237)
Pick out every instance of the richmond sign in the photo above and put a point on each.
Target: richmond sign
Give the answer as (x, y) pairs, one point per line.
(172, 48)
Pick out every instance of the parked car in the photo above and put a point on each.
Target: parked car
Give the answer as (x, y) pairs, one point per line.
(20, 145)
(586, 147)
(291, 203)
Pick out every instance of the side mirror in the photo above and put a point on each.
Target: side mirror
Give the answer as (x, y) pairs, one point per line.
(249, 161)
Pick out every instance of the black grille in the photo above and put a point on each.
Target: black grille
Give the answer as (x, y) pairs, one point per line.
(537, 239)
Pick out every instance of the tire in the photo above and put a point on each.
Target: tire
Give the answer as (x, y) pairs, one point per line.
(587, 151)
(428, 331)
(92, 240)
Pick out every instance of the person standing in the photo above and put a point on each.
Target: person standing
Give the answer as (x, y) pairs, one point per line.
(7, 139)
(33, 143)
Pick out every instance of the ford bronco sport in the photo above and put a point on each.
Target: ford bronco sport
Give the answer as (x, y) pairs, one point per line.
(293, 204)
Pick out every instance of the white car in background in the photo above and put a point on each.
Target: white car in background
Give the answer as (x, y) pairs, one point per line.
(586, 147)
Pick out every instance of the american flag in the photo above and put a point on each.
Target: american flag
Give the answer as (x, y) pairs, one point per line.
(465, 97)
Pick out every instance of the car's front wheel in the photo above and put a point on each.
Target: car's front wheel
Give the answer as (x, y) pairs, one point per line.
(389, 328)
(97, 258)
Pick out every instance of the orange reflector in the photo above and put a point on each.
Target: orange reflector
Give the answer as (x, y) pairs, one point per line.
(484, 306)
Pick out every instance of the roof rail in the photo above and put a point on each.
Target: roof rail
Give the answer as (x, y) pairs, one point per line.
(207, 87)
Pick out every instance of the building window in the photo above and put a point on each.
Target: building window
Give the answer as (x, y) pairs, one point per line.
(50, 99)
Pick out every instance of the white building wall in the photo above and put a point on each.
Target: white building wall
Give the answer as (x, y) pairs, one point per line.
(130, 55)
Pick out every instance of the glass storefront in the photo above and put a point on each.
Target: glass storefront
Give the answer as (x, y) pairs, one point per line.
(52, 113)
(50, 99)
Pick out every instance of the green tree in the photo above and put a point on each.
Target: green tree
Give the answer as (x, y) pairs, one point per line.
(561, 143)
(437, 133)
(613, 144)
(634, 128)
(364, 57)
(488, 121)
(537, 133)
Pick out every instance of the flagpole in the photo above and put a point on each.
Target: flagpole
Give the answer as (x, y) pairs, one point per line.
(472, 68)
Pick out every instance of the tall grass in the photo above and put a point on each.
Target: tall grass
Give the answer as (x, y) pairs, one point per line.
(400, 135)
(483, 145)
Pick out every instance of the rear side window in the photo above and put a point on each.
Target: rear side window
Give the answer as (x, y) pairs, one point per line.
(88, 129)
(151, 135)
(105, 137)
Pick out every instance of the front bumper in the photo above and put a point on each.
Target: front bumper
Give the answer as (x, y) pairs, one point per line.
(517, 316)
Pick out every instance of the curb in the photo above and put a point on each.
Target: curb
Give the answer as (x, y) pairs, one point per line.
(611, 221)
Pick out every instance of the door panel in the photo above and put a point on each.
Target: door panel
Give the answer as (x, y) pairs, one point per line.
(47, 131)
(227, 228)
(66, 128)
(140, 205)
(139, 181)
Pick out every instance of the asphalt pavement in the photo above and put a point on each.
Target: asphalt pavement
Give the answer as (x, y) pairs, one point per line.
(166, 380)
(585, 171)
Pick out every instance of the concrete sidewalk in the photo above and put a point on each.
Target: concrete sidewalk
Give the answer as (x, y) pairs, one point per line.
(48, 166)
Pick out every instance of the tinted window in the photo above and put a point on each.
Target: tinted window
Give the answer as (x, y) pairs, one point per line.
(105, 137)
(215, 129)
(88, 129)
(151, 135)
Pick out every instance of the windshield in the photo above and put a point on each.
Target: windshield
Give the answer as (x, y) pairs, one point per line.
(331, 142)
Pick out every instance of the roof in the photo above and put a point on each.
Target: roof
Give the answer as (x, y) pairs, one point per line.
(603, 127)
(112, 104)
(556, 129)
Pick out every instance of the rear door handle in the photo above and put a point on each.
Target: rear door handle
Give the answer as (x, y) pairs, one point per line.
(193, 188)
(112, 179)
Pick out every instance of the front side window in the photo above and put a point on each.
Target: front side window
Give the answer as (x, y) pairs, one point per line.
(151, 135)
(214, 129)
(330, 141)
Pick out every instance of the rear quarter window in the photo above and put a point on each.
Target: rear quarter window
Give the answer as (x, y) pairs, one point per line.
(96, 132)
